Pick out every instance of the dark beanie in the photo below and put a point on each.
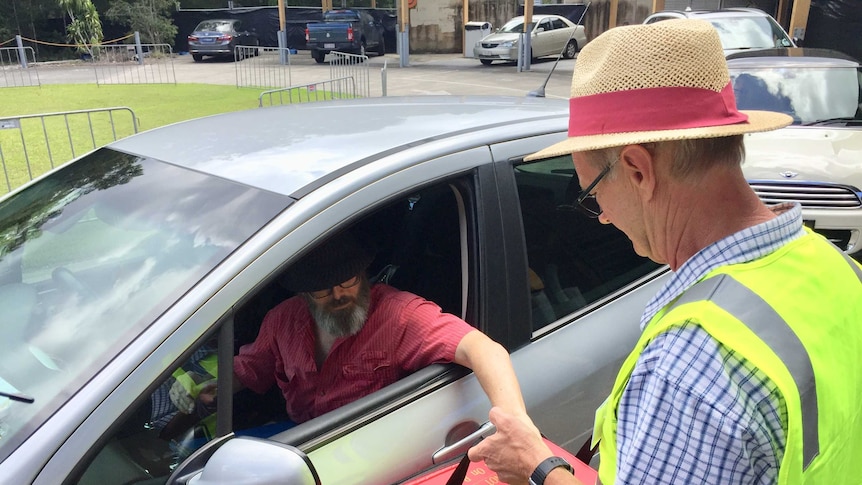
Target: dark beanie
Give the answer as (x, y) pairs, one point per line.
(333, 262)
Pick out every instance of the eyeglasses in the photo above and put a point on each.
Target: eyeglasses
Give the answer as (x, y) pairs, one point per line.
(586, 202)
(321, 294)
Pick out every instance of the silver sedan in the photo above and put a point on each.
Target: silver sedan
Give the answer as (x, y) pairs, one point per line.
(550, 35)
(135, 266)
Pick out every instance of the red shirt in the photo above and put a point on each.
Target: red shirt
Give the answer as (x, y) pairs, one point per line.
(403, 333)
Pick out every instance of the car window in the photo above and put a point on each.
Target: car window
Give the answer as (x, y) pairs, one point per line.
(213, 26)
(558, 24)
(168, 425)
(573, 260)
(545, 24)
(808, 94)
(91, 256)
(746, 32)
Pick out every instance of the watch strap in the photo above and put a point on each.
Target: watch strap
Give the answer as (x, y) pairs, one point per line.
(545, 467)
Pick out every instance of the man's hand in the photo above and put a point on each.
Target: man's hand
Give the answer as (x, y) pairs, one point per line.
(514, 451)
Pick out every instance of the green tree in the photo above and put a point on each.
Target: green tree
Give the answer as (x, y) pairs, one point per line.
(151, 18)
(85, 28)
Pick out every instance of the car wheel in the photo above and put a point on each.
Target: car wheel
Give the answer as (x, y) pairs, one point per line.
(381, 48)
(486, 62)
(571, 49)
(197, 57)
(318, 56)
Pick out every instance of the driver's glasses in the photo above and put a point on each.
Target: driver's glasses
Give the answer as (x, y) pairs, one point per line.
(321, 294)
(586, 202)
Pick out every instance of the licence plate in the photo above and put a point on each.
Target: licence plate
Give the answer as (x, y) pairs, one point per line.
(329, 46)
(207, 40)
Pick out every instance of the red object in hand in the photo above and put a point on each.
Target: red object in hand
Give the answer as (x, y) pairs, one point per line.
(479, 474)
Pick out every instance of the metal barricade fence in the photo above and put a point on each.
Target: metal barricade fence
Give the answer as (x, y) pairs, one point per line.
(343, 65)
(31, 145)
(340, 88)
(13, 72)
(126, 64)
(262, 67)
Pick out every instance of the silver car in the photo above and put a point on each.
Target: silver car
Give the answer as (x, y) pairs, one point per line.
(163, 251)
(550, 35)
(219, 37)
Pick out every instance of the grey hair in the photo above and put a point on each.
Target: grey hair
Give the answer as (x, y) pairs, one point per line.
(688, 158)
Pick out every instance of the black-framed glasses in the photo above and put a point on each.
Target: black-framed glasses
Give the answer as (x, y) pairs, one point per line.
(586, 202)
(321, 294)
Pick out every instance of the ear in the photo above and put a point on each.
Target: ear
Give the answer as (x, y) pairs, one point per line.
(639, 166)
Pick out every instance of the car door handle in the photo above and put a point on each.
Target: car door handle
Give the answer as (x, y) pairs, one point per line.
(461, 446)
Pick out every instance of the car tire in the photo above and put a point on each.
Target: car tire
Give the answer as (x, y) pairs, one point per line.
(318, 56)
(197, 57)
(486, 62)
(571, 49)
(381, 48)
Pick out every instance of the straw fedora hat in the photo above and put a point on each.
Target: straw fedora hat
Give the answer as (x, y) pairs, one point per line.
(647, 83)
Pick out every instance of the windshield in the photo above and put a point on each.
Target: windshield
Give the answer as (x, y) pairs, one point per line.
(90, 256)
(749, 33)
(214, 26)
(517, 26)
(808, 94)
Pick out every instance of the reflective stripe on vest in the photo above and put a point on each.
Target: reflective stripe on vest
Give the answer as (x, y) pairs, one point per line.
(750, 309)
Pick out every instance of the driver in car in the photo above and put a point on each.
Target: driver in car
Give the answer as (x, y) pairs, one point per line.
(341, 338)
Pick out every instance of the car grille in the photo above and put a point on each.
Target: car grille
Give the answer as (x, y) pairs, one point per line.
(809, 195)
(489, 45)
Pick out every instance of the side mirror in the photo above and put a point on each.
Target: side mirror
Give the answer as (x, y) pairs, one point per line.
(538, 29)
(251, 461)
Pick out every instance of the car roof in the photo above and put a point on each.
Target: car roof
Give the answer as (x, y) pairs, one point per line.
(790, 56)
(285, 148)
(718, 13)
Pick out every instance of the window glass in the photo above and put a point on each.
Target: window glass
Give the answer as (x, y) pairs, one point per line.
(573, 260)
(91, 255)
(169, 424)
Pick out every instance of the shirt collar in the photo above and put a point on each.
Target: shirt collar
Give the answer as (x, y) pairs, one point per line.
(746, 245)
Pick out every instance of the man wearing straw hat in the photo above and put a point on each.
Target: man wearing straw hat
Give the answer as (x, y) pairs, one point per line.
(749, 365)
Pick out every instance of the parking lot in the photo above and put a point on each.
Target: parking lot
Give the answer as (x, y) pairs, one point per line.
(426, 74)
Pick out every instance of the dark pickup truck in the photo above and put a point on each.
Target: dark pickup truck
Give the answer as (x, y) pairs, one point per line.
(350, 31)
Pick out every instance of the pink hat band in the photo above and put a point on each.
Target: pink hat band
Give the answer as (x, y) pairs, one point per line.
(652, 109)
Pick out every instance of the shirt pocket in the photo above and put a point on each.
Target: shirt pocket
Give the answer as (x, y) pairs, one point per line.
(373, 367)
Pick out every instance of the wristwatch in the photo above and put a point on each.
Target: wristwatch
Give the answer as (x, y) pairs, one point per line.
(541, 472)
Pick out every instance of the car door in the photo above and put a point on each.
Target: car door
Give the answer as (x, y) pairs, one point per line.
(98, 450)
(541, 41)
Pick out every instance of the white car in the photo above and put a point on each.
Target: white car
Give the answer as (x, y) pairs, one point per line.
(739, 29)
(815, 161)
(549, 35)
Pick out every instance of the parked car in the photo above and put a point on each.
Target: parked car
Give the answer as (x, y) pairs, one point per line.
(549, 35)
(121, 266)
(738, 28)
(816, 161)
(218, 37)
(349, 31)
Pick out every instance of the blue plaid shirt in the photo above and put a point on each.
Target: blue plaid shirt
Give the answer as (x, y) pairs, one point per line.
(694, 411)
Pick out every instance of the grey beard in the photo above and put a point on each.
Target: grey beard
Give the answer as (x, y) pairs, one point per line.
(341, 323)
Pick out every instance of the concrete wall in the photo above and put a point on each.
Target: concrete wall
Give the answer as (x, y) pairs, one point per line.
(437, 25)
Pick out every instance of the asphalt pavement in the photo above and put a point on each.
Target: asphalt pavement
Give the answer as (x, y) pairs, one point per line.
(425, 74)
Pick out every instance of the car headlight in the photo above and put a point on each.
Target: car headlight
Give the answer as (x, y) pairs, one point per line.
(509, 43)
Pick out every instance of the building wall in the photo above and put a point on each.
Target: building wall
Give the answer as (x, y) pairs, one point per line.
(437, 25)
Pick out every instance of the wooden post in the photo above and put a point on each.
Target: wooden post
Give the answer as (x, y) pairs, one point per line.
(799, 19)
(465, 17)
(612, 21)
(657, 6)
(781, 14)
(281, 15)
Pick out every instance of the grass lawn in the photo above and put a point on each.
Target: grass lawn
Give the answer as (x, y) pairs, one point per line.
(62, 138)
